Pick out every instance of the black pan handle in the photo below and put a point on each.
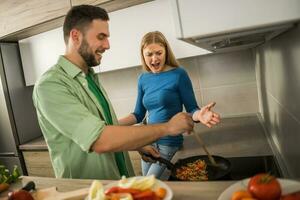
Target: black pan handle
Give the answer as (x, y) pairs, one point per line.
(29, 186)
(161, 160)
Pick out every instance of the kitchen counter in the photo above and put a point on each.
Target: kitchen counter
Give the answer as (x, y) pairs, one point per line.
(36, 144)
(181, 190)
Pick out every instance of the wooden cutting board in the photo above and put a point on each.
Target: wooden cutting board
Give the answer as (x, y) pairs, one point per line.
(52, 194)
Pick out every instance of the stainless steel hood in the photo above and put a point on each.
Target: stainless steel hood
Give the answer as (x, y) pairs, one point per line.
(230, 25)
(238, 40)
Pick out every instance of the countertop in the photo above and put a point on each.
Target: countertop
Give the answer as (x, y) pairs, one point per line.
(38, 144)
(233, 137)
(181, 190)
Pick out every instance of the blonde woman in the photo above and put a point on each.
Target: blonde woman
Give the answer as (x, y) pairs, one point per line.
(163, 90)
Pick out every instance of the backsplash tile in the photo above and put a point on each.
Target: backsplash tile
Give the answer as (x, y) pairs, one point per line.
(121, 83)
(226, 69)
(189, 64)
(123, 107)
(228, 79)
(231, 100)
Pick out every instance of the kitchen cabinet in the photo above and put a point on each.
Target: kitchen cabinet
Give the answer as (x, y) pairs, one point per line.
(136, 162)
(21, 19)
(18, 15)
(110, 5)
(38, 163)
(89, 2)
(222, 26)
(127, 27)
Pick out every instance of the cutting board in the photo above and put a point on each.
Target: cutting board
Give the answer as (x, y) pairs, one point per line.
(52, 194)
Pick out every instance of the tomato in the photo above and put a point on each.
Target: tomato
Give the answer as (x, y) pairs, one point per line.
(20, 195)
(264, 187)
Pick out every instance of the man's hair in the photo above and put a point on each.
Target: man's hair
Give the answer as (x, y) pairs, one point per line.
(80, 17)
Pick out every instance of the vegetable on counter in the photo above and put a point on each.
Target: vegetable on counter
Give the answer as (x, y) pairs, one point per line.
(264, 187)
(143, 188)
(20, 195)
(7, 178)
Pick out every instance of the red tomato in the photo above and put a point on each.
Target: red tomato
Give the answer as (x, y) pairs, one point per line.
(264, 187)
(20, 195)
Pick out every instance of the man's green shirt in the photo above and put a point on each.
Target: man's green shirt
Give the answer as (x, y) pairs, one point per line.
(71, 120)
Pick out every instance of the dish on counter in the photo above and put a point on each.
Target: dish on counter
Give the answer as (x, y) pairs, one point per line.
(158, 184)
(287, 186)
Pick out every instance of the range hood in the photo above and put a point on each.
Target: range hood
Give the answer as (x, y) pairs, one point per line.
(238, 40)
(222, 26)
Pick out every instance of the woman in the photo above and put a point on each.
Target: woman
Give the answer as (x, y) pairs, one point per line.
(162, 91)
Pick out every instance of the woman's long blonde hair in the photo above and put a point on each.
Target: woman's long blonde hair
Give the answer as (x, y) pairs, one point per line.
(157, 37)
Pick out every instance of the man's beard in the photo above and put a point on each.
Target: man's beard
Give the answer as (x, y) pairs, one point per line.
(87, 55)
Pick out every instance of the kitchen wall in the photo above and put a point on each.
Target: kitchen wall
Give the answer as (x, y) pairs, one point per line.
(278, 75)
(227, 78)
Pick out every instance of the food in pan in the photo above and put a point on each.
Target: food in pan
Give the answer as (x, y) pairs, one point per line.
(194, 171)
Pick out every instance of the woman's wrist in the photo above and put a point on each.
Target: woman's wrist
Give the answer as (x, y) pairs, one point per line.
(195, 116)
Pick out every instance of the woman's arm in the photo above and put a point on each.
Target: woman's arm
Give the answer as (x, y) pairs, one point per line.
(128, 120)
(205, 115)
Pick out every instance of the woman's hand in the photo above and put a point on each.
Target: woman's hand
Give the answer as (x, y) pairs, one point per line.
(148, 150)
(206, 116)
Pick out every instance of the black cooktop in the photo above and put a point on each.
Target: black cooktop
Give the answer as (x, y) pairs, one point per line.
(245, 167)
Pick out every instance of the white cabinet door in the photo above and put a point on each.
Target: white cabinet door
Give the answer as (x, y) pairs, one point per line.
(40, 52)
(127, 27)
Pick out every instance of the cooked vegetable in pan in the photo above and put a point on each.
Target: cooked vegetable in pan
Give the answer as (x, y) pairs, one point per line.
(195, 171)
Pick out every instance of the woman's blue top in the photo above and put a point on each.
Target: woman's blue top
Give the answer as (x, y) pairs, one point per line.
(163, 95)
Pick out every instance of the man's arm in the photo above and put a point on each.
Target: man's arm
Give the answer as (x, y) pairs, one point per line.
(120, 138)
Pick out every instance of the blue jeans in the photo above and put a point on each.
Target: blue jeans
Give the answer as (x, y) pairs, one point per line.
(157, 169)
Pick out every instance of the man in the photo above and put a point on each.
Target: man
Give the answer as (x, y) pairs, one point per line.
(75, 115)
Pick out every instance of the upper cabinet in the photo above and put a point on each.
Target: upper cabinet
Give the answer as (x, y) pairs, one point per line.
(89, 2)
(233, 24)
(127, 27)
(24, 18)
(17, 15)
(110, 5)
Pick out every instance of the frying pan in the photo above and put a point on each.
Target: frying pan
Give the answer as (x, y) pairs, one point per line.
(214, 172)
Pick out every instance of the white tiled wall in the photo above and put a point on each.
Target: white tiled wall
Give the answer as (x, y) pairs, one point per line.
(228, 79)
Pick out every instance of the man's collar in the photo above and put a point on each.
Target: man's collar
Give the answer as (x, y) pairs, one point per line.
(70, 68)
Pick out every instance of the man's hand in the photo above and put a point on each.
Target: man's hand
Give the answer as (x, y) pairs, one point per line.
(206, 116)
(148, 150)
(180, 123)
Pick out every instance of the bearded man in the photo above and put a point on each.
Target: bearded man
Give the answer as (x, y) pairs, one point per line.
(75, 115)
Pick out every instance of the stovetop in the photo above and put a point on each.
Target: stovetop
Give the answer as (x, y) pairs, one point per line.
(245, 167)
